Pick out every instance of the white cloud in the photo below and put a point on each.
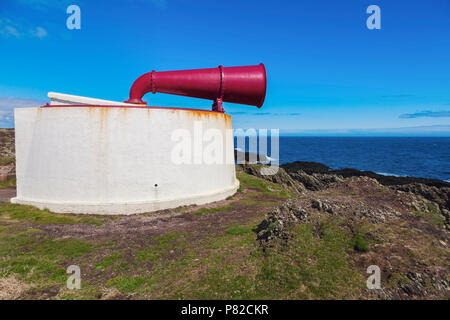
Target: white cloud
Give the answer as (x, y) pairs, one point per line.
(39, 32)
(10, 31)
(7, 105)
(9, 28)
(426, 114)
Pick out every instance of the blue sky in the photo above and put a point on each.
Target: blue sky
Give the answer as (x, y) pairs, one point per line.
(326, 70)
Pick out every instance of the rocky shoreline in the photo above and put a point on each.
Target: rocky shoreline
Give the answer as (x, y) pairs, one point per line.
(319, 176)
(314, 176)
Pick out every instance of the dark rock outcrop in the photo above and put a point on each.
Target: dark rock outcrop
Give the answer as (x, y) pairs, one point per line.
(276, 222)
(313, 168)
(440, 196)
(316, 176)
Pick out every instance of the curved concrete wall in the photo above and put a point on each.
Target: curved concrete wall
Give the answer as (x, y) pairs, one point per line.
(119, 160)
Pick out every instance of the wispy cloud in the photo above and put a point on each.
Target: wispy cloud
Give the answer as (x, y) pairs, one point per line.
(39, 32)
(9, 28)
(425, 114)
(7, 105)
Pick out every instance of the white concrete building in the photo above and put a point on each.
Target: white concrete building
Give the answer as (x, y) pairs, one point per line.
(83, 155)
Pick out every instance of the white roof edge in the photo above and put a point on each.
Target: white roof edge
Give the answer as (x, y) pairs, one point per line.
(69, 99)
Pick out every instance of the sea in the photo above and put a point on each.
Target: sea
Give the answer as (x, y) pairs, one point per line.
(425, 157)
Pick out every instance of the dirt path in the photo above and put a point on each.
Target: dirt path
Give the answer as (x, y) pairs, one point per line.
(188, 220)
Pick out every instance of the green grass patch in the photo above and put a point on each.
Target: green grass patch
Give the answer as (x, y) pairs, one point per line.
(161, 249)
(34, 215)
(10, 183)
(359, 243)
(39, 261)
(395, 278)
(4, 161)
(67, 248)
(434, 216)
(431, 214)
(433, 208)
(107, 261)
(89, 291)
(107, 244)
(203, 211)
(268, 187)
(312, 268)
(436, 219)
(123, 266)
(251, 202)
(181, 209)
(12, 241)
(235, 267)
(170, 237)
(127, 284)
(238, 230)
(142, 283)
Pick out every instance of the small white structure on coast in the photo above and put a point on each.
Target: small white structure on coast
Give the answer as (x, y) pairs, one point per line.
(84, 155)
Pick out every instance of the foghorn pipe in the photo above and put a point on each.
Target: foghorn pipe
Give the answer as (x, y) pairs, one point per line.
(243, 85)
(140, 87)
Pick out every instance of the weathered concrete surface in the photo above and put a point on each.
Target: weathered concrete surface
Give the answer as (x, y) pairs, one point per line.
(114, 160)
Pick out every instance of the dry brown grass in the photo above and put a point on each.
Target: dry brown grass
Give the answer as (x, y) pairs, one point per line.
(11, 288)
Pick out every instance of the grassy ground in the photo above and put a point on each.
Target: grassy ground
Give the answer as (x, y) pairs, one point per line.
(10, 183)
(228, 265)
(6, 160)
(206, 252)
